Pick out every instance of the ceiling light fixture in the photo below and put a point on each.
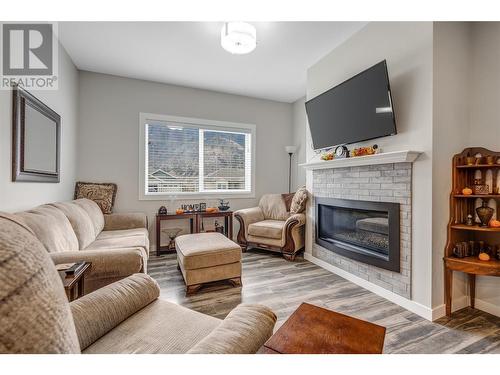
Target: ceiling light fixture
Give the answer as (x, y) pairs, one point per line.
(238, 37)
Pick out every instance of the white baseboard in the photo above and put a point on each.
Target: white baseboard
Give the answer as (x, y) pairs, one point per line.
(410, 305)
(460, 303)
(488, 307)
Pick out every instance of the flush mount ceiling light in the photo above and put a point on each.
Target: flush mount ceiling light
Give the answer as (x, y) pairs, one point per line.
(238, 37)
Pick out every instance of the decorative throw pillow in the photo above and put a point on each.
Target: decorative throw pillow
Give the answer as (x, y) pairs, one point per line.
(287, 198)
(299, 201)
(103, 194)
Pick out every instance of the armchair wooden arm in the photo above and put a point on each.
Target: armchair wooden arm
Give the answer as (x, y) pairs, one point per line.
(290, 247)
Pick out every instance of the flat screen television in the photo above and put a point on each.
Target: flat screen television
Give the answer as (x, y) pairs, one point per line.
(356, 110)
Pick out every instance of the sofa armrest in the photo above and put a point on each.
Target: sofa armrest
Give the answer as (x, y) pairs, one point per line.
(246, 217)
(97, 313)
(125, 221)
(106, 263)
(244, 331)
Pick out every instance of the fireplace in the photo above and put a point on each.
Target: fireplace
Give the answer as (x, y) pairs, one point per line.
(365, 231)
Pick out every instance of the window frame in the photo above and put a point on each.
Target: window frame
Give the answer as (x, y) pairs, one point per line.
(200, 123)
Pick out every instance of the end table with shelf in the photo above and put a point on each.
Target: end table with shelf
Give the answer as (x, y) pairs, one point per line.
(74, 284)
(195, 223)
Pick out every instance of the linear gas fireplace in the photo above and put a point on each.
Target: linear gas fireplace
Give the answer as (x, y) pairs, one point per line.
(365, 231)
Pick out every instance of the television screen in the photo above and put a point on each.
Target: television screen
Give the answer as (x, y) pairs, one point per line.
(357, 110)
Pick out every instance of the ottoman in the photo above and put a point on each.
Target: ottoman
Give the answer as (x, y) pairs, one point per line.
(207, 257)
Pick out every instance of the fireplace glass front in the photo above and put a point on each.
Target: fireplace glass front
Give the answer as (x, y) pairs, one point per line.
(361, 230)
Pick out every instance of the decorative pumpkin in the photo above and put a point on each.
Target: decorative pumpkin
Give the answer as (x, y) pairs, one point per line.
(179, 211)
(495, 224)
(327, 156)
(484, 256)
(467, 191)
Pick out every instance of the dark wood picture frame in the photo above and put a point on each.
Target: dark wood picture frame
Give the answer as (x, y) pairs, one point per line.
(21, 99)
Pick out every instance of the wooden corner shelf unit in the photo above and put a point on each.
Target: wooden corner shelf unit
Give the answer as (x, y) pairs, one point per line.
(460, 206)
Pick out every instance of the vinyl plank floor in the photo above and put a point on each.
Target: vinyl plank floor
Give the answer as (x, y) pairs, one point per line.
(270, 280)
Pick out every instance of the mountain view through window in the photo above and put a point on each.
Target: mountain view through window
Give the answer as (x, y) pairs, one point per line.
(186, 159)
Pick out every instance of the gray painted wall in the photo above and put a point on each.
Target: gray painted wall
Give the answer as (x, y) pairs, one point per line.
(23, 195)
(452, 71)
(299, 140)
(484, 129)
(109, 130)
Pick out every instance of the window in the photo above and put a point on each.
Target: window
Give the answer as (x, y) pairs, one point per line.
(182, 156)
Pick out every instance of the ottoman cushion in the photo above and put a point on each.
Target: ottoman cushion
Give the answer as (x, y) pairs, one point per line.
(201, 250)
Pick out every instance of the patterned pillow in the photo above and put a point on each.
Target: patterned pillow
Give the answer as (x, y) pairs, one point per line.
(103, 194)
(299, 201)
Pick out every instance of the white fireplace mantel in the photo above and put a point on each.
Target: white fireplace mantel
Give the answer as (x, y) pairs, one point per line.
(382, 158)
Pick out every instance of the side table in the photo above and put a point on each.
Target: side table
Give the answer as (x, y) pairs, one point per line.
(195, 220)
(193, 225)
(74, 284)
(228, 221)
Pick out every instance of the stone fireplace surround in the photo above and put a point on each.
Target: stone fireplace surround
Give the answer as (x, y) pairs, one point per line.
(377, 182)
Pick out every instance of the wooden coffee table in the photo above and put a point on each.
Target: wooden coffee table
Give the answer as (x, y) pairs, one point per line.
(315, 330)
(74, 284)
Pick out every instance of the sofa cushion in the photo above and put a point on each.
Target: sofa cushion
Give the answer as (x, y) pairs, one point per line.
(267, 229)
(33, 306)
(80, 221)
(51, 227)
(123, 233)
(103, 194)
(299, 201)
(160, 327)
(202, 250)
(273, 242)
(94, 212)
(273, 207)
(120, 242)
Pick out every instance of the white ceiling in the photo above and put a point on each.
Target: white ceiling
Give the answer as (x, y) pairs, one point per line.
(189, 54)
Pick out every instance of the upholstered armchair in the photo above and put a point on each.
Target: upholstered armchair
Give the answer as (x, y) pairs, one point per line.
(274, 226)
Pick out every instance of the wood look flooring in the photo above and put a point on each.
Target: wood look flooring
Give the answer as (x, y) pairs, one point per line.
(270, 280)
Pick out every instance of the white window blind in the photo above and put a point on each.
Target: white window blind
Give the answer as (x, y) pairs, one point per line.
(187, 158)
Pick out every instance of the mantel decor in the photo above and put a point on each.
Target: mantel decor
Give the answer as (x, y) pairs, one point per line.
(36, 139)
(382, 158)
(472, 245)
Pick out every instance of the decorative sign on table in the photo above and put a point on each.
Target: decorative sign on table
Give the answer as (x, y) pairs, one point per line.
(197, 207)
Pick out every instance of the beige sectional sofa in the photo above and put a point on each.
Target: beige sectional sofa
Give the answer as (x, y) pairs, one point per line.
(116, 244)
(123, 317)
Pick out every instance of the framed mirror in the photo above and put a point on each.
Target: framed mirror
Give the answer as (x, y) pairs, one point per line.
(36, 138)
